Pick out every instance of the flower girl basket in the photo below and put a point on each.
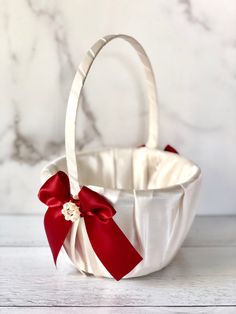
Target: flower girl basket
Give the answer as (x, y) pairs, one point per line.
(118, 212)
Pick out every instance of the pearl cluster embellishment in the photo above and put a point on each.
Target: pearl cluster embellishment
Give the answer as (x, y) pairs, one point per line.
(70, 211)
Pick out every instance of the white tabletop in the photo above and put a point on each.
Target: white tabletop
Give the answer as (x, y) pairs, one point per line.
(201, 279)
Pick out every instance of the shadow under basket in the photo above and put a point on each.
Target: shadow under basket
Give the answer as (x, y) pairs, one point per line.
(154, 194)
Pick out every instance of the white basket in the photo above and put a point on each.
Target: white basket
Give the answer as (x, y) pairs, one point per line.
(154, 192)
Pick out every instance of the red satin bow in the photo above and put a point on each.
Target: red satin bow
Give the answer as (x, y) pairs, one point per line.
(108, 241)
(168, 148)
(171, 149)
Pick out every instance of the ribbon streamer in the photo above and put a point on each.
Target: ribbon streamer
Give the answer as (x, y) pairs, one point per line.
(108, 241)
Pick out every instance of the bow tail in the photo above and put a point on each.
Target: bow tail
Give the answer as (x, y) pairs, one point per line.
(111, 246)
(56, 228)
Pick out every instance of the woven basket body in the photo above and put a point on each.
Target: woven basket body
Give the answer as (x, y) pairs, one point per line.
(153, 192)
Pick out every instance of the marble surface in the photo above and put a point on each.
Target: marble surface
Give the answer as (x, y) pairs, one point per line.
(192, 45)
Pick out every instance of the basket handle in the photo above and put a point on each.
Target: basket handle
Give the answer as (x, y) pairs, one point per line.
(75, 93)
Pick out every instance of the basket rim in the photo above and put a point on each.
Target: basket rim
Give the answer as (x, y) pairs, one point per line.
(193, 178)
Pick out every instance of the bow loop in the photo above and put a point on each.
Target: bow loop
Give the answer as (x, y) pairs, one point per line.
(56, 190)
(94, 204)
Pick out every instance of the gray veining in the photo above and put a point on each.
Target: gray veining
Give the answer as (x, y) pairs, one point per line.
(192, 47)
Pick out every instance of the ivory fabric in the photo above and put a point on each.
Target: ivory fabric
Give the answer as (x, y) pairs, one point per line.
(154, 194)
